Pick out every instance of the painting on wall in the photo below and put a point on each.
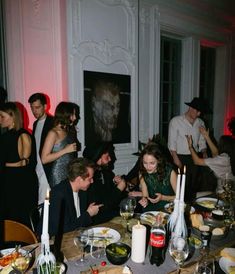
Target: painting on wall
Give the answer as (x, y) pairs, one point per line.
(107, 107)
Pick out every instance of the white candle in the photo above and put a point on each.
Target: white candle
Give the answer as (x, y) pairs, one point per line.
(45, 215)
(138, 244)
(183, 185)
(177, 196)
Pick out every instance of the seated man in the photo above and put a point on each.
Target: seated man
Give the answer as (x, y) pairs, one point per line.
(107, 188)
(68, 200)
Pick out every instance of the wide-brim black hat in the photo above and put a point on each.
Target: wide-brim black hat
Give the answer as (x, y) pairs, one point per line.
(199, 104)
(93, 152)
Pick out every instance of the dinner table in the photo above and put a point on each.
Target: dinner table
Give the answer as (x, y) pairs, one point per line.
(71, 253)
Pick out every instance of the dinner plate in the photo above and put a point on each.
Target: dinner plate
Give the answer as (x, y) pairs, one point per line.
(208, 203)
(8, 251)
(110, 235)
(150, 216)
(169, 208)
(225, 263)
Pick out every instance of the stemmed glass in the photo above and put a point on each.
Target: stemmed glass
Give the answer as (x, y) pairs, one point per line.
(179, 250)
(127, 208)
(21, 263)
(81, 239)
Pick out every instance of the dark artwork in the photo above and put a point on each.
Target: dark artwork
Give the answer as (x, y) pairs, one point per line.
(107, 107)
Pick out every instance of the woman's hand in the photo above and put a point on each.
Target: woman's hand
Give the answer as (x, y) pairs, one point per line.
(204, 132)
(143, 202)
(71, 148)
(189, 140)
(157, 199)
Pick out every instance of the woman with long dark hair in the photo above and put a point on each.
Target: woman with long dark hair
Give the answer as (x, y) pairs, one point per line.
(222, 162)
(60, 145)
(157, 178)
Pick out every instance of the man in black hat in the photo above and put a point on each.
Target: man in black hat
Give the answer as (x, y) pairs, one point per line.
(188, 124)
(107, 188)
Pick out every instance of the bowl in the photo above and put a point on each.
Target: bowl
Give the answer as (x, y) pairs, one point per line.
(218, 214)
(118, 253)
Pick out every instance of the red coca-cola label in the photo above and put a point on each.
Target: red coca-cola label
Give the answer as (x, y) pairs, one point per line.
(157, 240)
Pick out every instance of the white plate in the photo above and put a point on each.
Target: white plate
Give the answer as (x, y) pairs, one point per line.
(208, 202)
(150, 216)
(192, 209)
(225, 263)
(7, 251)
(111, 235)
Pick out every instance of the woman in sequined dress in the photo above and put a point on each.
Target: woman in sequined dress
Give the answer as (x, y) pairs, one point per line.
(157, 179)
(60, 145)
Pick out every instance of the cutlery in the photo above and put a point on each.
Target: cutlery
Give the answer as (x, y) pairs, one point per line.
(100, 237)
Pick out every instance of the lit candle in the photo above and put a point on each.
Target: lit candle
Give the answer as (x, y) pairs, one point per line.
(177, 196)
(183, 185)
(45, 214)
(138, 243)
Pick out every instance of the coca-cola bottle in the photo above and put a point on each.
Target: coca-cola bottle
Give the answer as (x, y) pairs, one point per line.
(157, 242)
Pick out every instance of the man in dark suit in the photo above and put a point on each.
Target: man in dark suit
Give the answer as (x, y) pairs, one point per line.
(44, 122)
(107, 189)
(68, 201)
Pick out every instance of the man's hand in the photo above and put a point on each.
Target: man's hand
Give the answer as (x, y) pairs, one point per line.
(120, 182)
(93, 209)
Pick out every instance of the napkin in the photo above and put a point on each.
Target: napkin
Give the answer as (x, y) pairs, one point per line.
(109, 270)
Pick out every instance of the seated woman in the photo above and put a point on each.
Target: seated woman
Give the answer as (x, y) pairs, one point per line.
(222, 162)
(157, 179)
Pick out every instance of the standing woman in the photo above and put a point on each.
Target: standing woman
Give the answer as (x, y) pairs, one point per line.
(19, 183)
(60, 145)
(157, 179)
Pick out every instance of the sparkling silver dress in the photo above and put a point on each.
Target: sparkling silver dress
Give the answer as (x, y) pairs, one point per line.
(58, 171)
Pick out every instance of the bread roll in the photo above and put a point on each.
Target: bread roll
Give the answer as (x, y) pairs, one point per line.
(197, 220)
(228, 253)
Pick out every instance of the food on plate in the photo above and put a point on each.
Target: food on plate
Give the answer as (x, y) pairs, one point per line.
(197, 220)
(231, 270)
(150, 217)
(218, 231)
(194, 241)
(204, 228)
(9, 258)
(229, 253)
(207, 203)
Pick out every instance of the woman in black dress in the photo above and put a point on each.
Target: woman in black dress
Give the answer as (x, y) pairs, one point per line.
(19, 184)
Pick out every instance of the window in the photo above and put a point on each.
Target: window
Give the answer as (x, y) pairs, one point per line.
(170, 75)
(207, 79)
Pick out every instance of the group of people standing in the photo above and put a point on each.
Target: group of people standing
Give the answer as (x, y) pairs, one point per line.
(85, 190)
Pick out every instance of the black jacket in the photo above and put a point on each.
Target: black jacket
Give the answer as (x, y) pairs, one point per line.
(62, 212)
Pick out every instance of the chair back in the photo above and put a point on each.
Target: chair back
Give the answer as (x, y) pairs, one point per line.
(16, 232)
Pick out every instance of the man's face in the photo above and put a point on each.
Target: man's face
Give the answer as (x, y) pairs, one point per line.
(104, 159)
(106, 109)
(38, 109)
(85, 183)
(194, 113)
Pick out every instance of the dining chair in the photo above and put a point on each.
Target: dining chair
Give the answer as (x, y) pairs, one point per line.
(17, 233)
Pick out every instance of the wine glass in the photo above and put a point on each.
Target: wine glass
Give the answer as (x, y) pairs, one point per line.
(179, 250)
(127, 207)
(81, 239)
(205, 265)
(21, 263)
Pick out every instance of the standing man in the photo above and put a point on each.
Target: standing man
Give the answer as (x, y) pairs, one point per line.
(44, 122)
(69, 208)
(107, 188)
(180, 126)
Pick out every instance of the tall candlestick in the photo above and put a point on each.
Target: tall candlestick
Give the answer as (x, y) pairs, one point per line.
(183, 185)
(138, 243)
(177, 196)
(45, 214)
